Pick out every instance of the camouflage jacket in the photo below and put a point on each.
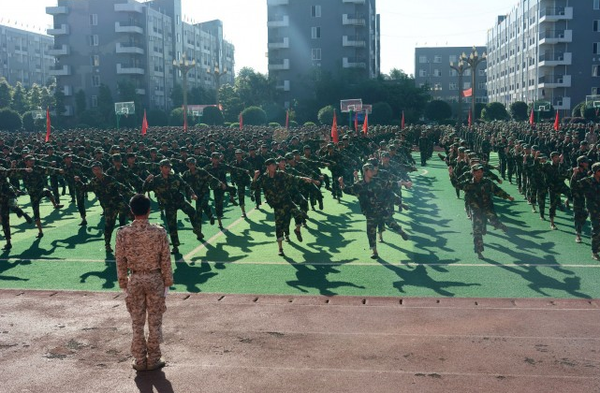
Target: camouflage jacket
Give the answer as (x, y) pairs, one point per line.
(170, 190)
(278, 189)
(109, 191)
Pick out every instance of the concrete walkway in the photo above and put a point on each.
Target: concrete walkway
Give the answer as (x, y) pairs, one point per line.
(79, 342)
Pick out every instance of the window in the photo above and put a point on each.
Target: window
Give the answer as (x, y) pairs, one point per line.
(94, 19)
(423, 59)
(422, 73)
(467, 72)
(95, 61)
(453, 86)
(452, 72)
(481, 86)
(481, 72)
(596, 49)
(96, 80)
(596, 23)
(595, 91)
(437, 72)
(316, 53)
(437, 59)
(453, 58)
(94, 101)
(316, 11)
(93, 40)
(437, 87)
(315, 32)
(597, 4)
(596, 70)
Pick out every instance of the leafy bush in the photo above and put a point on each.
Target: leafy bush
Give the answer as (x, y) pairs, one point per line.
(10, 120)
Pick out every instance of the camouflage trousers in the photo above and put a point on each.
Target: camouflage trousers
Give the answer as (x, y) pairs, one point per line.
(595, 219)
(479, 219)
(241, 194)
(36, 199)
(146, 300)
(580, 214)
(171, 218)
(110, 219)
(540, 196)
(511, 170)
(283, 218)
(202, 206)
(380, 220)
(6, 206)
(555, 193)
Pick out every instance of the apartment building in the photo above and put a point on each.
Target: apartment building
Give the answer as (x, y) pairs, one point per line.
(545, 50)
(107, 41)
(305, 36)
(25, 56)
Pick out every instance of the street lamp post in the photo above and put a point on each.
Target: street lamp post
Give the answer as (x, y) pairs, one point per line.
(184, 66)
(217, 73)
(473, 61)
(460, 68)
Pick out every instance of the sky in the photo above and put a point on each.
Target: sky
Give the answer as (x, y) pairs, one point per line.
(405, 25)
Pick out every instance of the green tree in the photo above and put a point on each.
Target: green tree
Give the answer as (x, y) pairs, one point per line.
(577, 110)
(230, 100)
(325, 115)
(10, 120)
(35, 96)
(47, 98)
(494, 111)
(6, 92)
(212, 116)
(176, 117)
(59, 103)
(80, 103)
(91, 118)
(28, 121)
(275, 113)
(20, 102)
(254, 116)
(382, 113)
(157, 117)
(106, 104)
(201, 96)
(254, 88)
(438, 110)
(518, 111)
(177, 96)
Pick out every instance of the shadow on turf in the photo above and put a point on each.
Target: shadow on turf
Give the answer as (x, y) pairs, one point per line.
(419, 277)
(149, 381)
(193, 275)
(6, 265)
(108, 274)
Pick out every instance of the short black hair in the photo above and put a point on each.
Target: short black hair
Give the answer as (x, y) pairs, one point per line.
(139, 204)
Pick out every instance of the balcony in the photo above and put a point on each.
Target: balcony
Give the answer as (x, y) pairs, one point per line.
(353, 62)
(353, 1)
(285, 86)
(556, 36)
(554, 81)
(60, 71)
(277, 2)
(61, 10)
(563, 103)
(129, 70)
(279, 66)
(140, 92)
(130, 7)
(353, 20)
(556, 14)
(130, 49)
(555, 59)
(284, 21)
(131, 29)
(59, 30)
(280, 44)
(354, 41)
(67, 90)
(62, 50)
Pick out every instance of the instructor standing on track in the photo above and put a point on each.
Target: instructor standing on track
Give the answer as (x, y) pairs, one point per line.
(143, 250)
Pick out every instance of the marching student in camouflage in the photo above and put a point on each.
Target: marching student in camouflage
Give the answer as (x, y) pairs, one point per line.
(200, 181)
(591, 187)
(35, 179)
(277, 187)
(51, 159)
(70, 171)
(580, 213)
(220, 170)
(113, 197)
(556, 173)
(170, 189)
(8, 198)
(145, 274)
(123, 174)
(479, 192)
(241, 177)
(539, 184)
(373, 197)
(257, 162)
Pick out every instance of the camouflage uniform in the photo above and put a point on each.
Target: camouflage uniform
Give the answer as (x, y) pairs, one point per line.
(142, 249)
(592, 201)
(278, 194)
(113, 197)
(7, 203)
(479, 197)
(580, 213)
(555, 178)
(36, 182)
(200, 181)
(170, 194)
(373, 197)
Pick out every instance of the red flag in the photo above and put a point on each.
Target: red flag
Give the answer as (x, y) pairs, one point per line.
(366, 123)
(144, 124)
(470, 122)
(356, 122)
(556, 122)
(287, 119)
(48, 126)
(467, 93)
(402, 121)
(185, 124)
(531, 118)
(334, 131)
(241, 120)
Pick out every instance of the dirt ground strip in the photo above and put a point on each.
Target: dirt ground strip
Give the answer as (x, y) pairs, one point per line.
(79, 342)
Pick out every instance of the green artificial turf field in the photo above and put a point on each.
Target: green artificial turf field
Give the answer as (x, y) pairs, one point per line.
(334, 259)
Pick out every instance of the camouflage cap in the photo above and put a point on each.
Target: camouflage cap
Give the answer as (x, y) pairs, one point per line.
(582, 159)
(554, 153)
(165, 162)
(215, 154)
(270, 161)
(190, 160)
(476, 167)
(239, 151)
(596, 167)
(289, 156)
(96, 164)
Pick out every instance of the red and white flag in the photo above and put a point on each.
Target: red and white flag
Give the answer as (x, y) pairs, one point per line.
(366, 123)
(48, 125)
(556, 122)
(402, 121)
(334, 131)
(144, 124)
